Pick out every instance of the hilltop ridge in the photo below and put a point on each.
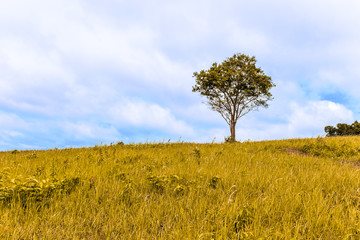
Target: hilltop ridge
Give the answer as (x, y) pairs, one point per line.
(295, 188)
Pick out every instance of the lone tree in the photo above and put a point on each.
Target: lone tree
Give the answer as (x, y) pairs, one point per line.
(234, 88)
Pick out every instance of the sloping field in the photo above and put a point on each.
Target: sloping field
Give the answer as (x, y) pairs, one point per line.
(289, 189)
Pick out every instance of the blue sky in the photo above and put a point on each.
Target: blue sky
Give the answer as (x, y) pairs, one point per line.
(77, 73)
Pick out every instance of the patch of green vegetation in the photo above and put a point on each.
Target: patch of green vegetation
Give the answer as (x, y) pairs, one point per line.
(290, 189)
(30, 189)
(340, 148)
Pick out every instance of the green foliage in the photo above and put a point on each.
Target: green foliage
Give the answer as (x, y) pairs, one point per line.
(161, 184)
(15, 151)
(332, 149)
(229, 139)
(179, 189)
(30, 189)
(243, 219)
(234, 87)
(290, 189)
(32, 155)
(158, 183)
(196, 153)
(343, 129)
(214, 181)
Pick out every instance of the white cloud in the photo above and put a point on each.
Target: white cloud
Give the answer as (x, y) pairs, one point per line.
(86, 130)
(216, 135)
(59, 53)
(81, 62)
(22, 58)
(247, 39)
(313, 117)
(12, 121)
(301, 120)
(147, 115)
(199, 112)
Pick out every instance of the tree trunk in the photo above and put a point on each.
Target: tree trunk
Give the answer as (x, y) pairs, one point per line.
(232, 130)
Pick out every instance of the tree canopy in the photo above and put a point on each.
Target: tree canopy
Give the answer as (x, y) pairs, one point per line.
(234, 88)
(343, 129)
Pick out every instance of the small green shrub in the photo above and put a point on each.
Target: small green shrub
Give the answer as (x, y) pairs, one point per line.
(158, 183)
(229, 139)
(15, 151)
(214, 181)
(196, 153)
(244, 218)
(321, 148)
(32, 156)
(179, 190)
(30, 189)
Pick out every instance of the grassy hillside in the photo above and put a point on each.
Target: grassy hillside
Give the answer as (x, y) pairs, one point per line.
(290, 189)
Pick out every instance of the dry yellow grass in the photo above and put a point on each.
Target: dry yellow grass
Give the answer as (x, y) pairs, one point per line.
(289, 189)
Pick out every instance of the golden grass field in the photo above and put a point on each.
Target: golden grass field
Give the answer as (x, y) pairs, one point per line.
(288, 189)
